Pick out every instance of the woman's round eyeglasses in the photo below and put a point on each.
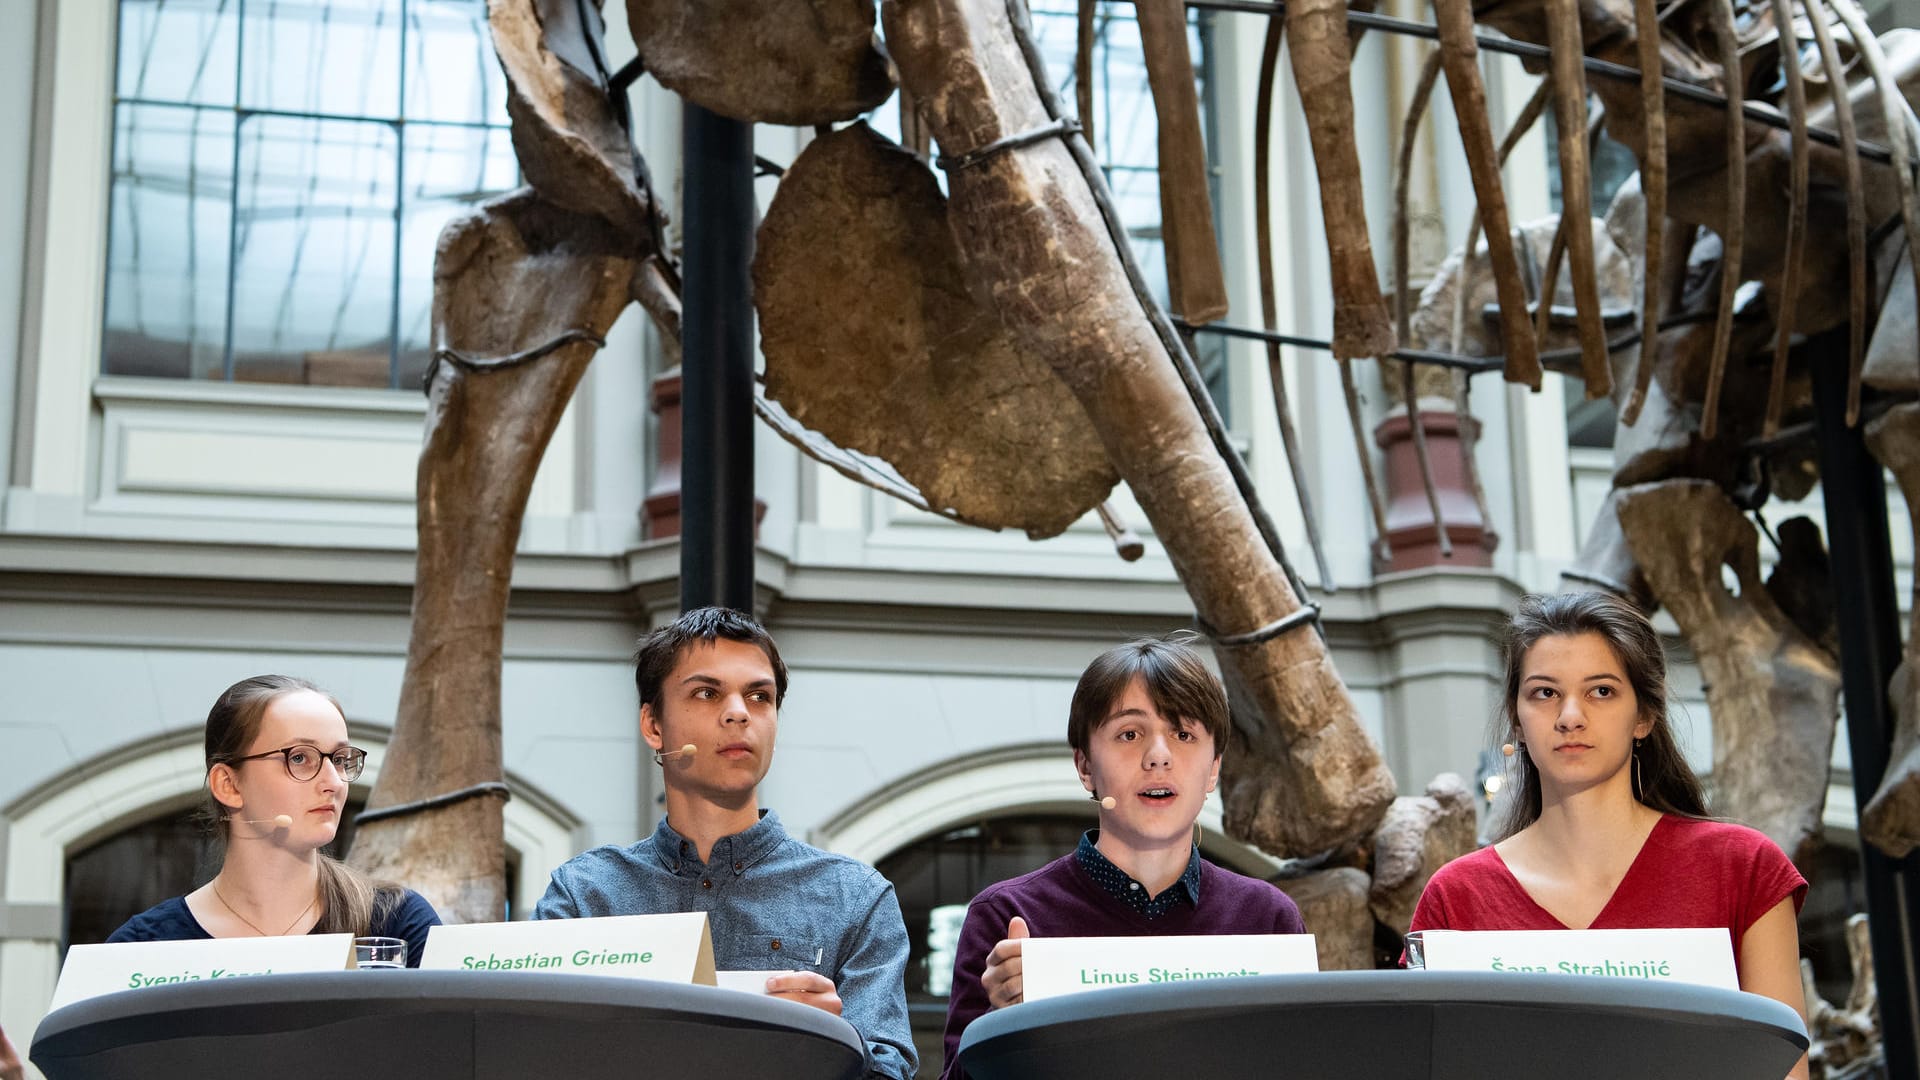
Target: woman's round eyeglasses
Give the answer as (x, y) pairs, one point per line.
(303, 761)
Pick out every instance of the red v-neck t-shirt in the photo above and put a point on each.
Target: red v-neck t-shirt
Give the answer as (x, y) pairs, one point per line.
(1689, 873)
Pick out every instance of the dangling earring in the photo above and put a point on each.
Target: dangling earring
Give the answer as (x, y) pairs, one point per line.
(1638, 787)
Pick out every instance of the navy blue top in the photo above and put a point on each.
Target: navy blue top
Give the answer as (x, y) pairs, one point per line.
(171, 920)
(1122, 887)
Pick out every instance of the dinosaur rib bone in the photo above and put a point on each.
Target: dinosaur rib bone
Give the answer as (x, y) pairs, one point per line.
(1318, 47)
(1461, 56)
(1576, 199)
(1836, 73)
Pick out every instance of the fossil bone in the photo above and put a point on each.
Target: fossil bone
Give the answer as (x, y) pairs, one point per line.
(1302, 775)
(1891, 820)
(872, 338)
(1194, 278)
(776, 63)
(1775, 694)
(1317, 44)
(1461, 56)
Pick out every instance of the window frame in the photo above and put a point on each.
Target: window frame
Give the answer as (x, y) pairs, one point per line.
(403, 202)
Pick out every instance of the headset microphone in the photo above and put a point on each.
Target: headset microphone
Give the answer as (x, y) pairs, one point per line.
(661, 759)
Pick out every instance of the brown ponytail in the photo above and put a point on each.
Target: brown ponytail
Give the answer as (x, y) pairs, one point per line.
(349, 901)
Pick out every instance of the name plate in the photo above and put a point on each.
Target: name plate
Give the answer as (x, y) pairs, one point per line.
(1052, 966)
(673, 948)
(1703, 956)
(92, 970)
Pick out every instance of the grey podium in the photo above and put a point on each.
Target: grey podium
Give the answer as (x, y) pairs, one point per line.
(442, 1025)
(1391, 1025)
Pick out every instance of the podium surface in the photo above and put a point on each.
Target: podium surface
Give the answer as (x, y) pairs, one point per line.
(431, 1025)
(1391, 1025)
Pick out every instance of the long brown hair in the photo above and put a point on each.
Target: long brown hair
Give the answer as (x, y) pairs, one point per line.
(348, 901)
(1666, 783)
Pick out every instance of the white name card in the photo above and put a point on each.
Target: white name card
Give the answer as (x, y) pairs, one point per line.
(674, 948)
(1691, 956)
(1052, 966)
(92, 970)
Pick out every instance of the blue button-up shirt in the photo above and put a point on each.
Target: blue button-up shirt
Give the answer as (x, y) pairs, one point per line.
(773, 904)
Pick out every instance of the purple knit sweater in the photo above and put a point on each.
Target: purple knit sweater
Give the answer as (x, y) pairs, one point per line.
(1061, 900)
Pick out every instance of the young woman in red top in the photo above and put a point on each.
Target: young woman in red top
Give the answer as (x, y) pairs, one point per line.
(1607, 827)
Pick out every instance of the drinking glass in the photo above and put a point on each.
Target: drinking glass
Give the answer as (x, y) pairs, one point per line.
(379, 952)
(1416, 951)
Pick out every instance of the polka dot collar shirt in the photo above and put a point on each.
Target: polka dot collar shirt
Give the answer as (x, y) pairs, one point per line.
(1130, 892)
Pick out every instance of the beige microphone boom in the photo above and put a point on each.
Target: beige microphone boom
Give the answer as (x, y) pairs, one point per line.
(661, 758)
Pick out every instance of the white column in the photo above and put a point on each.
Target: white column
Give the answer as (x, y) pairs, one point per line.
(61, 343)
(16, 144)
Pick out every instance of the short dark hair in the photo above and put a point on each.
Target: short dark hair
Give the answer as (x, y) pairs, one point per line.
(660, 650)
(1177, 681)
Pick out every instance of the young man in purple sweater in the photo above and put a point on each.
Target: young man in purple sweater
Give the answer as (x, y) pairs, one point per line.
(1147, 726)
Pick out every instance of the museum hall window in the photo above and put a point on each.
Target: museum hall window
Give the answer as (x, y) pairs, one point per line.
(281, 171)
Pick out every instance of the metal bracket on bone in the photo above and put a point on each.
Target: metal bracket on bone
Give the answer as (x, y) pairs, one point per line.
(1307, 615)
(485, 787)
(1064, 127)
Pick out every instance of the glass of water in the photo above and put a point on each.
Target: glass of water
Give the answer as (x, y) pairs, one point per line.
(379, 952)
(1416, 951)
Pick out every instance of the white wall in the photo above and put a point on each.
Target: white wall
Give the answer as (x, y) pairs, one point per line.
(89, 681)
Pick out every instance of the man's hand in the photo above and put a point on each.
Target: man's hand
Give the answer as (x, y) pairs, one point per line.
(10, 1067)
(1002, 980)
(807, 988)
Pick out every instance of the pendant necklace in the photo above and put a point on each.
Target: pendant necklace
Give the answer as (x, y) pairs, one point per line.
(236, 913)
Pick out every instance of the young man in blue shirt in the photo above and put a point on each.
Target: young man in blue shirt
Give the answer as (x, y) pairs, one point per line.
(830, 926)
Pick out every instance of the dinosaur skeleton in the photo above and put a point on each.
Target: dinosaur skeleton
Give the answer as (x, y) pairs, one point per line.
(1015, 295)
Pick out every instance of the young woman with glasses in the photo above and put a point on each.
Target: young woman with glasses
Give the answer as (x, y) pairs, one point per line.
(278, 766)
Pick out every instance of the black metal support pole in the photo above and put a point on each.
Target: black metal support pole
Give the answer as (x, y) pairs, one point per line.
(1853, 485)
(716, 477)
